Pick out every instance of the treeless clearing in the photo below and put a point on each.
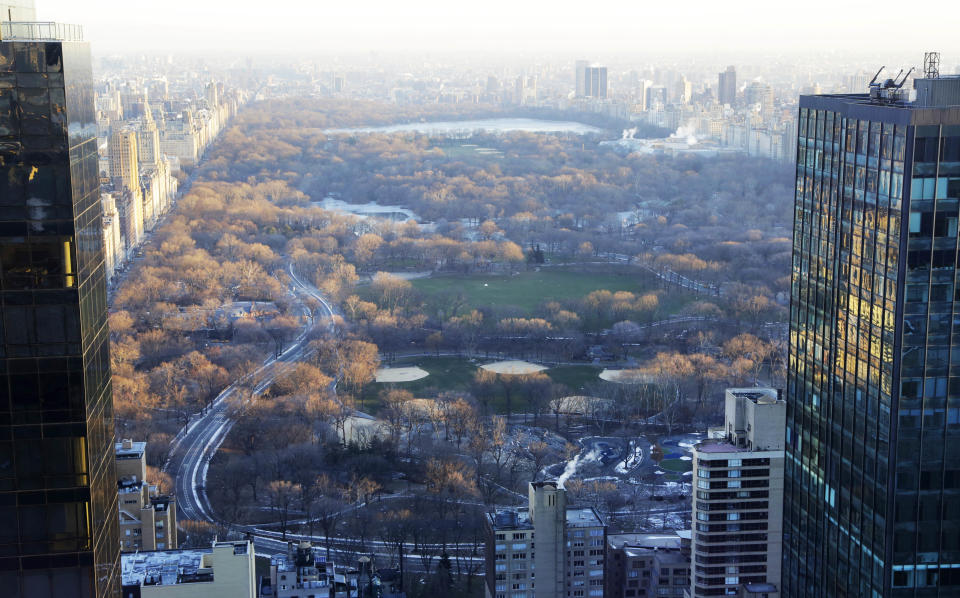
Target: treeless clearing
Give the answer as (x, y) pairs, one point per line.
(624, 376)
(513, 367)
(408, 374)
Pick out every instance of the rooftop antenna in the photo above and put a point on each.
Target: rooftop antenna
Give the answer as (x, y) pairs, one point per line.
(931, 65)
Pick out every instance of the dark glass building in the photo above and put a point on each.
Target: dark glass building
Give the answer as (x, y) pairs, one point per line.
(58, 499)
(872, 489)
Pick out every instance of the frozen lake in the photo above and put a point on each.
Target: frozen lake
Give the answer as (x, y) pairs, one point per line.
(366, 210)
(493, 125)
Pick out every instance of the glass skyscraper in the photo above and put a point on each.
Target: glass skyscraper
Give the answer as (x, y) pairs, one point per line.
(58, 498)
(872, 489)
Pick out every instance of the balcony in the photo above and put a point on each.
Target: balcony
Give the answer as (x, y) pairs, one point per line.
(29, 31)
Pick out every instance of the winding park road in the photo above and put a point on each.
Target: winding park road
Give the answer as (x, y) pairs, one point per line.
(198, 442)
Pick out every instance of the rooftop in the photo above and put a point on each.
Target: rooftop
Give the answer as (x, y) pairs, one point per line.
(760, 396)
(163, 567)
(760, 587)
(708, 446)
(172, 567)
(127, 449)
(520, 518)
(940, 92)
(583, 517)
(35, 31)
(646, 541)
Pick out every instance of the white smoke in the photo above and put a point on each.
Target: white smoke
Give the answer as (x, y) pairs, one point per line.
(572, 465)
(687, 132)
(629, 133)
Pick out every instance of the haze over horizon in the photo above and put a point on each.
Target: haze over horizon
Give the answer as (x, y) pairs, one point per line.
(600, 28)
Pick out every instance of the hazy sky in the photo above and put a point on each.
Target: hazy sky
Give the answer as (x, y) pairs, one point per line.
(589, 27)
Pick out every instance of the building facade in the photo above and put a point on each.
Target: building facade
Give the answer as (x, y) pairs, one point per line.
(568, 560)
(646, 565)
(872, 501)
(148, 519)
(58, 500)
(738, 496)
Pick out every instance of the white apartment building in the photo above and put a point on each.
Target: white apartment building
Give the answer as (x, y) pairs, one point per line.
(736, 544)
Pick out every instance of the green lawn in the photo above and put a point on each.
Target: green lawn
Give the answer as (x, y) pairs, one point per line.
(446, 374)
(678, 465)
(575, 377)
(527, 290)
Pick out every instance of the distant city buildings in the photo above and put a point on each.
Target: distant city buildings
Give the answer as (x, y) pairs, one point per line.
(567, 559)
(738, 498)
(148, 519)
(147, 137)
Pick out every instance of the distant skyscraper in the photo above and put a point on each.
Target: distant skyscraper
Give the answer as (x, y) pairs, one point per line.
(758, 93)
(58, 498)
(872, 492)
(581, 77)
(727, 86)
(596, 82)
(656, 95)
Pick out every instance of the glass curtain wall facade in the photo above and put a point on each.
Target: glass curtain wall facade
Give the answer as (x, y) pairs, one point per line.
(872, 489)
(58, 498)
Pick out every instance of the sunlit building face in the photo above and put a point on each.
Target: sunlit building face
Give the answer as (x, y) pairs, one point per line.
(872, 497)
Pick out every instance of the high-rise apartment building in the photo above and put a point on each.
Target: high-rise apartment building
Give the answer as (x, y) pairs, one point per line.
(738, 497)
(124, 160)
(58, 499)
(872, 494)
(727, 86)
(148, 141)
(570, 541)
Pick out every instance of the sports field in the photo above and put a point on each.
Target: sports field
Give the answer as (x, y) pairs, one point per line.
(527, 290)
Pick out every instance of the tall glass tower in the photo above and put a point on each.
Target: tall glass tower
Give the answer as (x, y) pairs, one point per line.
(872, 490)
(58, 499)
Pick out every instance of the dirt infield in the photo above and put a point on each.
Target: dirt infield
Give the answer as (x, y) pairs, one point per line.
(407, 374)
(513, 367)
(624, 376)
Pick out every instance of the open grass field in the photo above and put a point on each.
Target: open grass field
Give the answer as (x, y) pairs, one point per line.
(527, 290)
(677, 465)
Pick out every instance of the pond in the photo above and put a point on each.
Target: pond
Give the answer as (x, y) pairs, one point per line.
(366, 210)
